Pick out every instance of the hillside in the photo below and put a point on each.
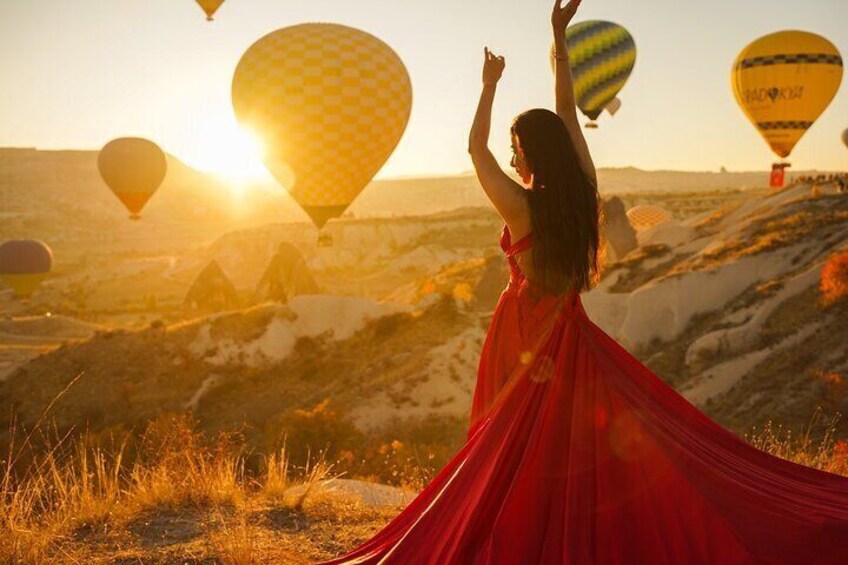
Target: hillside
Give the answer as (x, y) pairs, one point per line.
(726, 307)
(203, 429)
(719, 304)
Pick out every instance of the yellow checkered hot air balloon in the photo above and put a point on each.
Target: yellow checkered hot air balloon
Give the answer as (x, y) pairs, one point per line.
(602, 56)
(330, 104)
(783, 82)
(646, 216)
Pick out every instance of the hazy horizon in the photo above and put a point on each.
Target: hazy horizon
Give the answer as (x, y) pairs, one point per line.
(447, 175)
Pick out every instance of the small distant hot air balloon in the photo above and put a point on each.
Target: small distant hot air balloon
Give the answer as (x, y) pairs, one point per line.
(845, 137)
(133, 168)
(210, 7)
(602, 56)
(613, 107)
(330, 104)
(646, 216)
(24, 264)
(783, 82)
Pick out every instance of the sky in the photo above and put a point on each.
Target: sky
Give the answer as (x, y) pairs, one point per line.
(77, 74)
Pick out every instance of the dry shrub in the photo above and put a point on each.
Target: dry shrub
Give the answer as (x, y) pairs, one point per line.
(314, 475)
(322, 427)
(834, 279)
(826, 454)
(404, 452)
(835, 389)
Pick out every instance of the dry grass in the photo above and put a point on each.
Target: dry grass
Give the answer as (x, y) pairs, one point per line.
(59, 504)
(276, 479)
(233, 540)
(826, 454)
(707, 224)
(790, 226)
(637, 274)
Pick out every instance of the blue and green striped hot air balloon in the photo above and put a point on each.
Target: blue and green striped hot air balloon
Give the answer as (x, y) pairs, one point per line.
(602, 55)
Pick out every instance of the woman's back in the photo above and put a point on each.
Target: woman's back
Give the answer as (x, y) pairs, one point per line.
(519, 253)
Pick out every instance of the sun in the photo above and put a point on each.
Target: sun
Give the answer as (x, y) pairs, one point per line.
(224, 148)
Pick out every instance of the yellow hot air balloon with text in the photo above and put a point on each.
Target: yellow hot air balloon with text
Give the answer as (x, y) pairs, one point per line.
(329, 104)
(783, 82)
(210, 7)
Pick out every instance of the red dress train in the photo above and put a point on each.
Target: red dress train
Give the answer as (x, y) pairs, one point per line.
(578, 454)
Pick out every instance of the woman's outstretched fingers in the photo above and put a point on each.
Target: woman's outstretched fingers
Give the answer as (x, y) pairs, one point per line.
(493, 67)
(562, 15)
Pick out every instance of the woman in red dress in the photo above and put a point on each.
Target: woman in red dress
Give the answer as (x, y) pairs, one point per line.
(576, 452)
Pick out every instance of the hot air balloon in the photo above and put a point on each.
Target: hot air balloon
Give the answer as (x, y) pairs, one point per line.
(783, 82)
(133, 168)
(845, 137)
(602, 55)
(330, 104)
(24, 263)
(210, 7)
(613, 107)
(646, 216)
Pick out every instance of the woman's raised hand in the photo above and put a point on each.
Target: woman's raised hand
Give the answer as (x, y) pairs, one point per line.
(561, 16)
(493, 67)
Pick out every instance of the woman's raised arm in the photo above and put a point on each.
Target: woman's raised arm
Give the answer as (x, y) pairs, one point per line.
(566, 106)
(505, 193)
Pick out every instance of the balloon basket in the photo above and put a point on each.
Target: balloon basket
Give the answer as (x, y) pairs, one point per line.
(778, 173)
(592, 125)
(135, 217)
(325, 240)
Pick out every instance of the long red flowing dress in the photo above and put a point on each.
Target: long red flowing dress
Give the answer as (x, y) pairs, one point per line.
(578, 454)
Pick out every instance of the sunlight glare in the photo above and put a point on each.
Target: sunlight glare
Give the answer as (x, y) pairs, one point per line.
(224, 148)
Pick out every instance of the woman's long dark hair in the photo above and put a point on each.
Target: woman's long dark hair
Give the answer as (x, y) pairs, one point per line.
(564, 205)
